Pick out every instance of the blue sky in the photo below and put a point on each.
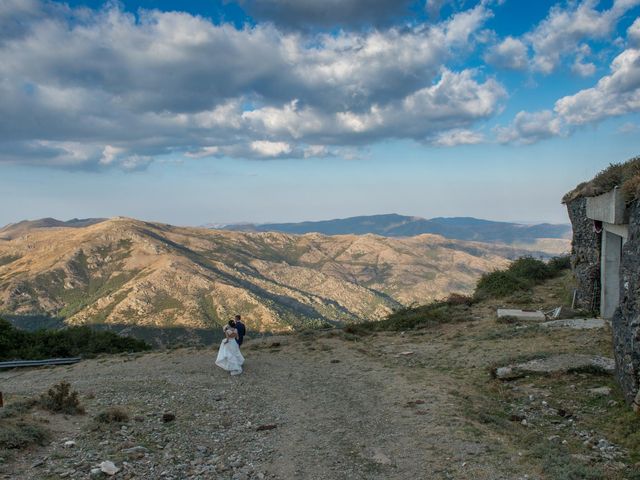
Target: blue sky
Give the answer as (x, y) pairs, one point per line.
(286, 110)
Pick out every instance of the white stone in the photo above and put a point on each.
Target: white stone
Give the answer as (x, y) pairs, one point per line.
(109, 468)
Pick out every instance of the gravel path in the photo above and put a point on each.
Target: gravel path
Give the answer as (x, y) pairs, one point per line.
(320, 408)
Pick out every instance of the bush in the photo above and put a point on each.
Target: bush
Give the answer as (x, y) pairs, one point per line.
(61, 399)
(68, 342)
(20, 434)
(499, 283)
(522, 274)
(560, 263)
(530, 269)
(113, 415)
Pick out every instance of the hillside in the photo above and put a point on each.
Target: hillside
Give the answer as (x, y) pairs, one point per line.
(393, 225)
(133, 273)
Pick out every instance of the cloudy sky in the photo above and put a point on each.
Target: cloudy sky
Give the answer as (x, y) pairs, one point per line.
(285, 110)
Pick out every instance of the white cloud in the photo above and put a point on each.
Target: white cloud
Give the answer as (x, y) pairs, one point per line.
(266, 148)
(110, 154)
(564, 28)
(458, 137)
(204, 152)
(106, 88)
(529, 127)
(614, 94)
(511, 54)
(583, 69)
(302, 14)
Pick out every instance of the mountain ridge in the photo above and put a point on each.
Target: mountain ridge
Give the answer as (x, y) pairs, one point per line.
(395, 225)
(145, 274)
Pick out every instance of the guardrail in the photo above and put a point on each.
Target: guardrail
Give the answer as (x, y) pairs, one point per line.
(39, 363)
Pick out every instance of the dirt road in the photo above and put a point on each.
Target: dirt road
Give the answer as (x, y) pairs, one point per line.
(312, 408)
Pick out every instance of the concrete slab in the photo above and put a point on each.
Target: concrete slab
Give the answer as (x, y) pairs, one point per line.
(609, 207)
(556, 364)
(524, 315)
(576, 323)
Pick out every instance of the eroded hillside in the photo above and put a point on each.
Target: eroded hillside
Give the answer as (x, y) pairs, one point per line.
(124, 271)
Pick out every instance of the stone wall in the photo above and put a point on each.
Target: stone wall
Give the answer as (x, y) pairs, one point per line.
(626, 320)
(585, 256)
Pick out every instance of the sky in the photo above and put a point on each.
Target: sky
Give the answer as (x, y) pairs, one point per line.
(225, 111)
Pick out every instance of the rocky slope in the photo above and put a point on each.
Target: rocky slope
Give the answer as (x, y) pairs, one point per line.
(129, 272)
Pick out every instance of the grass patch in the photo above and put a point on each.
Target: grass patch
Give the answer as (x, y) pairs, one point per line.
(409, 318)
(558, 464)
(113, 415)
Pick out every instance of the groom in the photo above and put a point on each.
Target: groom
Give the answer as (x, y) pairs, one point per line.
(241, 329)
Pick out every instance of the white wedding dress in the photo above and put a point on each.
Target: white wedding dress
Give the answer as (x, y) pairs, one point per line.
(229, 356)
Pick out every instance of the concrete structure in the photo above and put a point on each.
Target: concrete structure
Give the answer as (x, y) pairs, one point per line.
(523, 315)
(609, 213)
(605, 258)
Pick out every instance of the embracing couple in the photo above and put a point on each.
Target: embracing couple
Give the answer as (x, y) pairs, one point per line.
(229, 356)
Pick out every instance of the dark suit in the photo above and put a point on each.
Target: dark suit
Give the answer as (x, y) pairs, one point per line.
(241, 331)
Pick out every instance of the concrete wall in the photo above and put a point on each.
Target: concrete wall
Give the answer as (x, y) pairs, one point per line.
(626, 320)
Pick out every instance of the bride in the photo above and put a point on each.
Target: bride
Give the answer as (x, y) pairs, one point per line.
(229, 356)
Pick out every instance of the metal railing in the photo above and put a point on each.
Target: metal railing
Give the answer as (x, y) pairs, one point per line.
(39, 363)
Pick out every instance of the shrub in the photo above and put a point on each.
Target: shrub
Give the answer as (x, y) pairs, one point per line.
(113, 415)
(560, 263)
(530, 269)
(459, 299)
(499, 283)
(21, 433)
(521, 275)
(61, 399)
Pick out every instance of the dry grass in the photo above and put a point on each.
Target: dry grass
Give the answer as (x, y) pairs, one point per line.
(113, 415)
(624, 175)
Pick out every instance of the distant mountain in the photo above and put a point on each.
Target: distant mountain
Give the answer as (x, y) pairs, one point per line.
(140, 274)
(393, 225)
(14, 230)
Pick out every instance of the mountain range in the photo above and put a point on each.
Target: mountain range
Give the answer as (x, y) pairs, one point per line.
(129, 272)
(394, 225)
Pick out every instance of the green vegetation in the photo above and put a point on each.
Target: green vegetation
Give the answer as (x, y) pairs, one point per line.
(61, 399)
(521, 275)
(19, 433)
(163, 301)
(624, 175)
(7, 259)
(68, 342)
(448, 311)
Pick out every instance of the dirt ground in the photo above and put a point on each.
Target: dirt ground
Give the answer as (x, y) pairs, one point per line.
(329, 405)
